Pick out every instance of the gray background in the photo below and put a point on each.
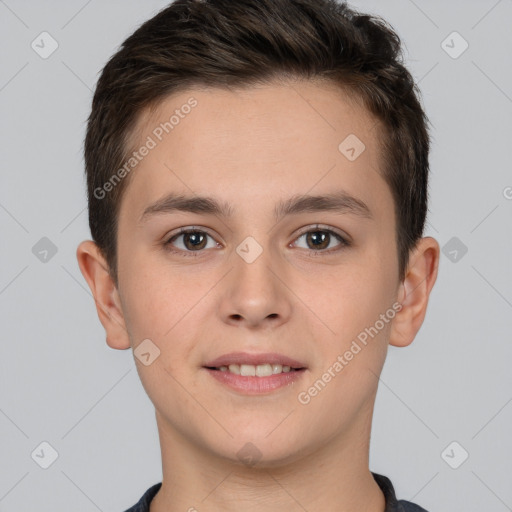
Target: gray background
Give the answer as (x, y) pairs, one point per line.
(61, 383)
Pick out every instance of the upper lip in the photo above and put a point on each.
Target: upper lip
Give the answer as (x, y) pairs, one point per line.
(253, 359)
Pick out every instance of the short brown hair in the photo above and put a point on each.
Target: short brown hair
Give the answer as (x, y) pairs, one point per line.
(226, 43)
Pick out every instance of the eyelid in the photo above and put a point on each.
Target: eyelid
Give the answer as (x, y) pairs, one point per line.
(187, 229)
(184, 230)
(323, 227)
(344, 240)
(306, 229)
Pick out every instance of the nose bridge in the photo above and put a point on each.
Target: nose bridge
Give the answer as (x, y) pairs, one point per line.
(255, 290)
(253, 271)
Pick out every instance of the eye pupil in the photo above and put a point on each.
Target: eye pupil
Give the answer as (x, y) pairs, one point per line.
(318, 236)
(196, 238)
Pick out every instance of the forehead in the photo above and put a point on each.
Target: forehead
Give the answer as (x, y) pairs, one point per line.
(282, 139)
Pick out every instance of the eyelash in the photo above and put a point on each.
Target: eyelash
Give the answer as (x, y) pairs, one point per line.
(344, 243)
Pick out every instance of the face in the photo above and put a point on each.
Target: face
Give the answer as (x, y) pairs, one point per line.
(263, 270)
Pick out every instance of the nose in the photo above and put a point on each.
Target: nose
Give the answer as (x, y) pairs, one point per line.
(255, 294)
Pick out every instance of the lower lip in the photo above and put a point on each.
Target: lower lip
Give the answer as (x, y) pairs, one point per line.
(256, 385)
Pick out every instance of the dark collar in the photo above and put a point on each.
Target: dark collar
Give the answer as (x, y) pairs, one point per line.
(392, 504)
(389, 492)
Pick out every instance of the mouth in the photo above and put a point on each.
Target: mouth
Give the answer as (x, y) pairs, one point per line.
(251, 365)
(255, 373)
(251, 370)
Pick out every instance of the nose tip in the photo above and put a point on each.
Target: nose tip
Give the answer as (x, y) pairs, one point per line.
(256, 294)
(237, 317)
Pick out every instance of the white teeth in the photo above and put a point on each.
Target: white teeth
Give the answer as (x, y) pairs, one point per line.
(263, 370)
(247, 370)
(260, 370)
(234, 368)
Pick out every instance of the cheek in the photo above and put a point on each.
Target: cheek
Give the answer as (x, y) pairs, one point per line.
(353, 358)
(157, 307)
(353, 304)
(161, 300)
(146, 305)
(355, 297)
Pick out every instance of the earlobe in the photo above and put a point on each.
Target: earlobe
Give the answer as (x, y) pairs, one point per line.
(94, 268)
(414, 291)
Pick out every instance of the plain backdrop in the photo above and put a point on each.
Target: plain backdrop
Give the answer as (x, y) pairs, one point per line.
(443, 414)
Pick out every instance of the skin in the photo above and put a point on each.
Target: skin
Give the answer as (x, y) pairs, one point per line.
(252, 148)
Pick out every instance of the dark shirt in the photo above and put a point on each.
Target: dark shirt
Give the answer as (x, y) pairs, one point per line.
(392, 504)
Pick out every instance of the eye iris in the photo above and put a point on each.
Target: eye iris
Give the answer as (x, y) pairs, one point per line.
(318, 236)
(195, 238)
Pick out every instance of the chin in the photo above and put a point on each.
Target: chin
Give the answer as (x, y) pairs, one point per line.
(259, 450)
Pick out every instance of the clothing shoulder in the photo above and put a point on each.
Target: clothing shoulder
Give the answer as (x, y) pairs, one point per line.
(392, 504)
(143, 504)
(407, 506)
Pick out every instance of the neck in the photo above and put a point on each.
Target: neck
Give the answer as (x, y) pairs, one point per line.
(336, 473)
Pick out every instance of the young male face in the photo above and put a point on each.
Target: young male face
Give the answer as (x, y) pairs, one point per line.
(254, 150)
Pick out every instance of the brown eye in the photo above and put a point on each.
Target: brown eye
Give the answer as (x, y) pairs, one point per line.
(194, 240)
(189, 241)
(319, 240)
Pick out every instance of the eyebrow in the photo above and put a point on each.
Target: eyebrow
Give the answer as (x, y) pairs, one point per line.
(339, 201)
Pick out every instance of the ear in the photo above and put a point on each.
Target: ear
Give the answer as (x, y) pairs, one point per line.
(414, 291)
(94, 268)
